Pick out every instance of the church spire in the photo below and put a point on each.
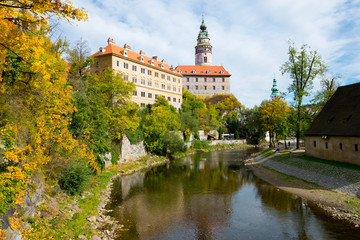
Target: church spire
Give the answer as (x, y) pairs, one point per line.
(274, 90)
(203, 49)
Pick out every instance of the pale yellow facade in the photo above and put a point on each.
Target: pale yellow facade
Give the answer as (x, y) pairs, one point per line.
(206, 86)
(336, 148)
(150, 81)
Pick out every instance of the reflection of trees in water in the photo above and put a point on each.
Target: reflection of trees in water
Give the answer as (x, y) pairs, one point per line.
(285, 205)
(199, 192)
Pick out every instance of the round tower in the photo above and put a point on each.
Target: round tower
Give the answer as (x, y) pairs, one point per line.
(274, 90)
(203, 49)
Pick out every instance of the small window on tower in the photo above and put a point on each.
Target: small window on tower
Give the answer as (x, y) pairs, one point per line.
(205, 59)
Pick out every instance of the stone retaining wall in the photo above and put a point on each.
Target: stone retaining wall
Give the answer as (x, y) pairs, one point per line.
(227, 142)
(131, 152)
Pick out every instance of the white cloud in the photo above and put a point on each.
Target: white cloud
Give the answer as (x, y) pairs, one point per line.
(249, 38)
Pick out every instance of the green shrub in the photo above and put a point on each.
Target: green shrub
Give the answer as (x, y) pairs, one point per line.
(75, 178)
(173, 143)
(200, 144)
(135, 136)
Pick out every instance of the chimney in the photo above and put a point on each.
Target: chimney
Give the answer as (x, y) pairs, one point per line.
(127, 46)
(142, 52)
(155, 58)
(110, 41)
(163, 61)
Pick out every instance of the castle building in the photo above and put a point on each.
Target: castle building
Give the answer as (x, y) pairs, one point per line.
(274, 90)
(203, 78)
(151, 76)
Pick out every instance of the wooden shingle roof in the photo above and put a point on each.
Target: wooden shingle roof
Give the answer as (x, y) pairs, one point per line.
(340, 115)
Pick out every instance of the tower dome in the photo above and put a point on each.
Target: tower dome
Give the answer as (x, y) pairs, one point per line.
(203, 49)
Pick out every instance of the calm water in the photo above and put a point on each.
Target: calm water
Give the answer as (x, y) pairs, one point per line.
(215, 199)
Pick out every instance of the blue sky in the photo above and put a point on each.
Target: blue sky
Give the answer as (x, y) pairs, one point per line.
(249, 38)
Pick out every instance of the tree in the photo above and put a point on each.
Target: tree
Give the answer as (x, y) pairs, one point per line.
(303, 66)
(252, 127)
(189, 124)
(78, 58)
(274, 117)
(328, 84)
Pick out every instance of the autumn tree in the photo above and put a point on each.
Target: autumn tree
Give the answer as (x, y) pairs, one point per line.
(104, 111)
(274, 117)
(303, 66)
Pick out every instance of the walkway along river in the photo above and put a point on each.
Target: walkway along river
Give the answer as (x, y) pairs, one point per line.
(213, 196)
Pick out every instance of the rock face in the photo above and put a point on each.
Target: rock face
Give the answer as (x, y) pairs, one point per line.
(131, 152)
(33, 198)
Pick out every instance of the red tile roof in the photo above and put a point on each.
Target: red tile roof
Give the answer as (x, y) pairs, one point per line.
(202, 70)
(116, 50)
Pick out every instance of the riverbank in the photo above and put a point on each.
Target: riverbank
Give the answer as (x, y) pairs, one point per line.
(84, 216)
(332, 187)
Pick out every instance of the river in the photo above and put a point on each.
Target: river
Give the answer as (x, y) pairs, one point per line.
(213, 196)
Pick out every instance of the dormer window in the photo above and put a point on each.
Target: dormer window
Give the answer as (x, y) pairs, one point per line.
(180, 71)
(162, 66)
(125, 53)
(152, 62)
(222, 72)
(194, 71)
(208, 71)
(142, 58)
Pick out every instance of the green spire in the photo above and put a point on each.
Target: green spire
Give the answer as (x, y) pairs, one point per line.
(274, 90)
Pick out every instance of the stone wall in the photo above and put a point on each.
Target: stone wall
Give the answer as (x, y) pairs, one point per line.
(131, 152)
(227, 142)
(340, 149)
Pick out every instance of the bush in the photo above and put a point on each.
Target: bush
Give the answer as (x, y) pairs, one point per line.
(75, 178)
(135, 136)
(200, 144)
(173, 143)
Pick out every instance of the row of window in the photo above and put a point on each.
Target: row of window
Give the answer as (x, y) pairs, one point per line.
(205, 79)
(150, 95)
(149, 72)
(163, 86)
(356, 147)
(205, 88)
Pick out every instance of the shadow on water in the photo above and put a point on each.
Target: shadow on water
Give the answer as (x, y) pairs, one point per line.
(213, 196)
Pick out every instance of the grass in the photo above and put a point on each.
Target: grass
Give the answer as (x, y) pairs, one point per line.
(332, 163)
(64, 225)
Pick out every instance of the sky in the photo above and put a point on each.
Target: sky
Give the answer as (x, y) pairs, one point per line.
(249, 38)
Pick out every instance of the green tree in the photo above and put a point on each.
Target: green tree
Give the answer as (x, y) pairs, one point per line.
(329, 84)
(303, 66)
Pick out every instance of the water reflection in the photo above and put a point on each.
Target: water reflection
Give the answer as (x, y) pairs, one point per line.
(212, 196)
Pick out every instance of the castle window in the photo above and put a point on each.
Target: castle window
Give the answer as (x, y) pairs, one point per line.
(222, 72)
(213, 87)
(326, 145)
(213, 79)
(174, 89)
(205, 87)
(134, 80)
(149, 83)
(134, 68)
(163, 86)
(179, 100)
(340, 146)
(223, 79)
(162, 66)
(97, 64)
(208, 71)
(143, 94)
(194, 71)
(149, 95)
(126, 77)
(174, 99)
(314, 144)
(156, 96)
(142, 58)
(188, 79)
(187, 87)
(174, 80)
(135, 93)
(117, 63)
(142, 105)
(143, 81)
(143, 70)
(152, 62)
(156, 74)
(126, 66)
(196, 87)
(125, 53)
(169, 98)
(205, 59)
(163, 76)
(168, 78)
(205, 80)
(223, 87)
(149, 72)
(196, 79)
(356, 148)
